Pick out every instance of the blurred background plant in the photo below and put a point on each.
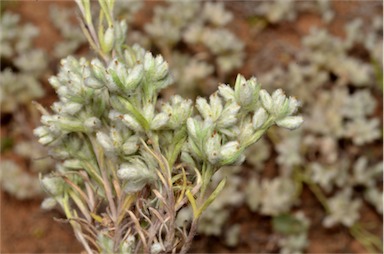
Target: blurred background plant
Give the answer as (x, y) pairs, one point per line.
(20, 84)
(198, 44)
(335, 68)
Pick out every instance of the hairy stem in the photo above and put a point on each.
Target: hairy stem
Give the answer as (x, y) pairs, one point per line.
(191, 235)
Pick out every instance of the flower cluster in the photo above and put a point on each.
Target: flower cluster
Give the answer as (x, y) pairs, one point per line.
(19, 79)
(108, 125)
(20, 85)
(339, 91)
(213, 51)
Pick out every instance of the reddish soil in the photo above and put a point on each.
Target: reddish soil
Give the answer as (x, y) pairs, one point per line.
(25, 228)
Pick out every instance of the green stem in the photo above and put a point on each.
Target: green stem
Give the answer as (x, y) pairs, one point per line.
(317, 192)
(207, 172)
(371, 242)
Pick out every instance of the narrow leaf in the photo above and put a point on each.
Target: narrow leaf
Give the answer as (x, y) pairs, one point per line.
(193, 204)
(131, 109)
(213, 196)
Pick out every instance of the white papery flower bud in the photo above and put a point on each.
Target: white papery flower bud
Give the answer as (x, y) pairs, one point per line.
(72, 108)
(132, 123)
(136, 174)
(48, 119)
(216, 106)
(130, 172)
(246, 95)
(149, 62)
(228, 152)
(229, 116)
(76, 80)
(226, 92)
(109, 39)
(243, 91)
(266, 100)
(178, 110)
(149, 111)
(92, 123)
(93, 83)
(130, 146)
(48, 204)
(105, 141)
(110, 83)
(278, 100)
(98, 69)
(193, 127)
(203, 107)
(120, 31)
(53, 185)
(159, 121)
(57, 107)
(259, 118)
(114, 115)
(161, 68)
(156, 248)
(41, 131)
(63, 91)
(238, 83)
(212, 148)
(290, 122)
(46, 139)
(134, 77)
(293, 105)
(55, 82)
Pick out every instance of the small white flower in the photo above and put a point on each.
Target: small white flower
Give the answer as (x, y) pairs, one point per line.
(134, 77)
(193, 127)
(229, 116)
(48, 203)
(98, 69)
(216, 106)
(156, 248)
(246, 92)
(46, 139)
(161, 68)
(203, 107)
(130, 146)
(159, 121)
(109, 39)
(136, 175)
(278, 100)
(130, 172)
(54, 185)
(105, 141)
(266, 100)
(149, 62)
(259, 118)
(92, 123)
(41, 131)
(93, 83)
(290, 122)
(293, 105)
(227, 92)
(132, 123)
(228, 152)
(212, 147)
